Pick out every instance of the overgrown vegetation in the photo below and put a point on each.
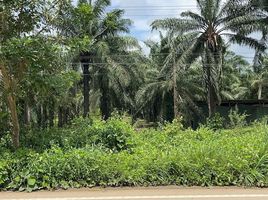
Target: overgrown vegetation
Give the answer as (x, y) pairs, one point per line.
(66, 66)
(112, 153)
(60, 60)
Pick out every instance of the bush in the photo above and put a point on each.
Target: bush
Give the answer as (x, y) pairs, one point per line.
(150, 157)
(216, 122)
(237, 119)
(113, 135)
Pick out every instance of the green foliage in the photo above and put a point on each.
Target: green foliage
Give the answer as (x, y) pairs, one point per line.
(216, 122)
(237, 119)
(173, 156)
(112, 135)
(3, 123)
(174, 127)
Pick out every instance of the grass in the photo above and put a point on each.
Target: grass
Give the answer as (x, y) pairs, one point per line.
(113, 154)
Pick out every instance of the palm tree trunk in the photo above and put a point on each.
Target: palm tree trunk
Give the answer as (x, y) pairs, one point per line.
(86, 89)
(15, 122)
(211, 99)
(105, 95)
(175, 93)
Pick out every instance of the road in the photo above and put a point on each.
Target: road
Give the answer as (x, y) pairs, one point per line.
(156, 193)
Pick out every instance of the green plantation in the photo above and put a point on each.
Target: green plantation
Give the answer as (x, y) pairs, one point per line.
(113, 153)
(86, 100)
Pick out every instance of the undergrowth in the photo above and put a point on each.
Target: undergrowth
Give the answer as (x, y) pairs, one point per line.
(97, 153)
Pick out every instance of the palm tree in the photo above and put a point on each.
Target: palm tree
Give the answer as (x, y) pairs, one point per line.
(215, 24)
(259, 55)
(117, 73)
(233, 70)
(259, 81)
(167, 87)
(91, 25)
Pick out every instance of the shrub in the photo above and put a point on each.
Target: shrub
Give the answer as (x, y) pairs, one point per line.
(236, 119)
(113, 135)
(216, 122)
(237, 156)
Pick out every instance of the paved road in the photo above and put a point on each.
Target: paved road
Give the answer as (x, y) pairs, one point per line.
(159, 193)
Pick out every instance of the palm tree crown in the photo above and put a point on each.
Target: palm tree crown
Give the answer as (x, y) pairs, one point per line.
(215, 25)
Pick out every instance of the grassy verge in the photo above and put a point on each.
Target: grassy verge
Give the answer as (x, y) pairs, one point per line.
(96, 153)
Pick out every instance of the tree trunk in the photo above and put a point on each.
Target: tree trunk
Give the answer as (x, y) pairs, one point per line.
(260, 92)
(45, 116)
(74, 107)
(86, 89)
(105, 95)
(175, 93)
(60, 117)
(211, 101)
(15, 122)
(39, 116)
(211, 94)
(11, 102)
(51, 116)
(27, 113)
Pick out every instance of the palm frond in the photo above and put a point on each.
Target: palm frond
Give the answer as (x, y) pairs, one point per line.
(194, 16)
(147, 93)
(99, 7)
(176, 25)
(244, 40)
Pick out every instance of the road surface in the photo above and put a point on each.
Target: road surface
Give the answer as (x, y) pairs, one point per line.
(157, 193)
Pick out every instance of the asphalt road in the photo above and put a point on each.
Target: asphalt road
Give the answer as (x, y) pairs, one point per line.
(157, 193)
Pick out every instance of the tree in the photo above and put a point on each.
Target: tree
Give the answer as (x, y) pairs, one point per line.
(234, 80)
(19, 17)
(168, 86)
(89, 20)
(23, 22)
(214, 22)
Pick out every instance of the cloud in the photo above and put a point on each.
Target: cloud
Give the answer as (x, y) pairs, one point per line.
(143, 12)
(141, 24)
(144, 47)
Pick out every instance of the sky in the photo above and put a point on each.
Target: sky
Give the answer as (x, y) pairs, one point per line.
(144, 12)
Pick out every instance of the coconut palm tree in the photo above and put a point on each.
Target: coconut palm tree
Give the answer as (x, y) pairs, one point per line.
(215, 24)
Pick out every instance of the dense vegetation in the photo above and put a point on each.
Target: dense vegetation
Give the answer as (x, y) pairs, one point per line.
(66, 66)
(112, 153)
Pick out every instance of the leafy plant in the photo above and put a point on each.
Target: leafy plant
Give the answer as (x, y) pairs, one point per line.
(237, 119)
(216, 122)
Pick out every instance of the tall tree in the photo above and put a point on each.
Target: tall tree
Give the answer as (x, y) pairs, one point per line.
(23, 24)
(215, 21)
(17, 18)
(90, 20)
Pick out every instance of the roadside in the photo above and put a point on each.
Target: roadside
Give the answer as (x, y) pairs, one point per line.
(169, 192)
